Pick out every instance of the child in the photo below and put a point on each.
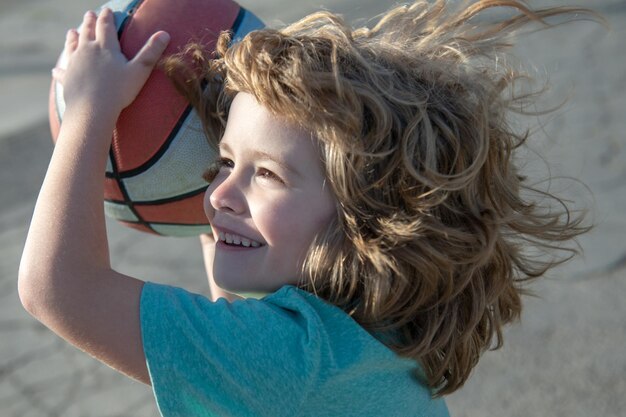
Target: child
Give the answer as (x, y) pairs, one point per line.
(365, 180)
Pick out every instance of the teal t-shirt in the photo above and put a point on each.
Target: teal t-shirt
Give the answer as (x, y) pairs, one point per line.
(288, 354)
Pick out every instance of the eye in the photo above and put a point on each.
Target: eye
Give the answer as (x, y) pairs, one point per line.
(269, 175)
(225, 163)
(211, 172)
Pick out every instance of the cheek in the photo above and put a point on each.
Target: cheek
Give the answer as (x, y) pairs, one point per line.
(273, 218)
(293, 224)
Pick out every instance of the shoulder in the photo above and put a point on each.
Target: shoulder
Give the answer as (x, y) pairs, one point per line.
(291, 348)
(356, 368)
(250, 356)
(287, 318)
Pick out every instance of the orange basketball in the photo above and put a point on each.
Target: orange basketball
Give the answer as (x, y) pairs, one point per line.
(153, 180)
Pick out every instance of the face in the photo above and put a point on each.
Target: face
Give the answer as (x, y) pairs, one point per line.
(267, 202)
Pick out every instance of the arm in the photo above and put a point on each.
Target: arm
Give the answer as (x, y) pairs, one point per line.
(65, 277)
(208, 247)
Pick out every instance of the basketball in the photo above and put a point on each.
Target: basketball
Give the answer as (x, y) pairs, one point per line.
(153, 180)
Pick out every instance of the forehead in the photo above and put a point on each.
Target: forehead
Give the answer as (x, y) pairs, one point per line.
(252, 128)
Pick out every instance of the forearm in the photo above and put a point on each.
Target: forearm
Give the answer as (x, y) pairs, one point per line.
(65, 279)
(67, 241)
(66, 244)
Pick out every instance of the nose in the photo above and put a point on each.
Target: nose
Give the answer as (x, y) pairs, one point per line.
(225, 194)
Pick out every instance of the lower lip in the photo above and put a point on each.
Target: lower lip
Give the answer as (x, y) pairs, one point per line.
(235, 248)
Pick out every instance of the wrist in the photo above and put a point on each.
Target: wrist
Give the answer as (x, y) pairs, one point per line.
(85, 137)
(90, 111)
(89, 123)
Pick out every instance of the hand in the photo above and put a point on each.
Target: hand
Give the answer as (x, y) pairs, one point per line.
(207, 241)
(98, 73)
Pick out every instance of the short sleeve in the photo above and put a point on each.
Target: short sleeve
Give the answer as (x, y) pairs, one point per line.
(246, 358)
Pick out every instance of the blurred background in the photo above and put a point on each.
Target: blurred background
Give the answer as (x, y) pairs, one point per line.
(567, 356)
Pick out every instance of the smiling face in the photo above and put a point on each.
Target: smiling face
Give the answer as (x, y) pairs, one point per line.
(267, 202)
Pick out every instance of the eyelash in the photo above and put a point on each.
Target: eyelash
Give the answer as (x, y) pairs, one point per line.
(265, 173)
(224, 163)
(211, 172)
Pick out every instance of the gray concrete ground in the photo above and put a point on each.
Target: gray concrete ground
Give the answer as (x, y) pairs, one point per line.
(567, 356)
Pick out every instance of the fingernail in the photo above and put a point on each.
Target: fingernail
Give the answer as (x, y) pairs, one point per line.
(163, 37)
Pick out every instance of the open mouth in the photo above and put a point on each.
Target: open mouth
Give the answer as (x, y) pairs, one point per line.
(235, 240)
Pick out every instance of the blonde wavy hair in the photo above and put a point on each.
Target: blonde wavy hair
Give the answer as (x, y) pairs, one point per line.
(434, 239)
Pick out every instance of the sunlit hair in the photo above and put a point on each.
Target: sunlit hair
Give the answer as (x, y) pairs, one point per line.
(435, 235)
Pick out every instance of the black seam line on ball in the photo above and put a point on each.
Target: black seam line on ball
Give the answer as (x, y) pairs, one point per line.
(160, 201)
(238, 20)
(127, 201)
(161, 151)
(128, 14)
(170, 224)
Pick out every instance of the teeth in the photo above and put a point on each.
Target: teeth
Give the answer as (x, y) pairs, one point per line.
(233, 239)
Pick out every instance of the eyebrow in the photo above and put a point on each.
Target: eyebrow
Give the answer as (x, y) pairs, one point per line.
(258, 154)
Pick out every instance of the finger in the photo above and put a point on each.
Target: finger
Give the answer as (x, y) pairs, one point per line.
(105, 29)
(88, 28)
(152, 50)
(58, 74)
(71, 41)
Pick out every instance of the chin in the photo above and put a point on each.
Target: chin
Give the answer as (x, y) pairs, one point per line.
(245, 288)
(237, 287)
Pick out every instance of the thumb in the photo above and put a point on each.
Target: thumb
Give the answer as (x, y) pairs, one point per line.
(152, 50)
